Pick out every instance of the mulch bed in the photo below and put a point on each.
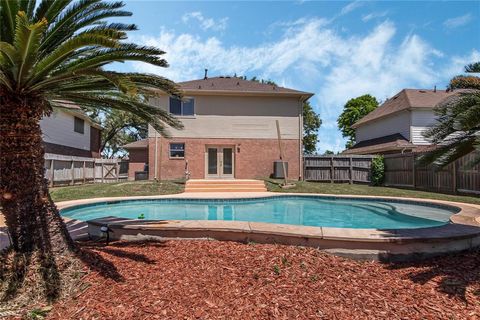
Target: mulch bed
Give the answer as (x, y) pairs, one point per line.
(228, 280)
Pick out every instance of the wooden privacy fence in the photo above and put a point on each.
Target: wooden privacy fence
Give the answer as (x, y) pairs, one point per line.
(67, 170)
(338, 168)
(401, 170)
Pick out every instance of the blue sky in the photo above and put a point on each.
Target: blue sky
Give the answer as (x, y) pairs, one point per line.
(337, 50)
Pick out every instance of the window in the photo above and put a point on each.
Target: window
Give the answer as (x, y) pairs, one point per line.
(177, 150)
(182, 108)
(79, 125)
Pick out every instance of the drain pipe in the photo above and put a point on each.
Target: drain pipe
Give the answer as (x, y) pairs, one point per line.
(155, 177)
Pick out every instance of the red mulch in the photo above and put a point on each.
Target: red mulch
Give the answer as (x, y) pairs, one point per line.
(228, 280)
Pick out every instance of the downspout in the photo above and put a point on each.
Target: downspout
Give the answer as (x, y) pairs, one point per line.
(300, 138)
(155, 177)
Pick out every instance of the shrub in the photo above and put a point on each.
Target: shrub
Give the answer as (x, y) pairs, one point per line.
(378, 171)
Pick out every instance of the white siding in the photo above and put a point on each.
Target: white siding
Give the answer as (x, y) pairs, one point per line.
(58, 129)
(397, 123)
(421, 121)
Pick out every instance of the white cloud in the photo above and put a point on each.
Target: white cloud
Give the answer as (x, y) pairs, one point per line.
(206, 23)
(458, 21)
(374, 15)
(312, 56)
(351, 7)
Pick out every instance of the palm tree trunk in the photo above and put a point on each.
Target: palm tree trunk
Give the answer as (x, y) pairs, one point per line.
(32, 218)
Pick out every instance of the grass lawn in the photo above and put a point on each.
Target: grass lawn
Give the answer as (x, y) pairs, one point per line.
(121, 189)
(358, 189)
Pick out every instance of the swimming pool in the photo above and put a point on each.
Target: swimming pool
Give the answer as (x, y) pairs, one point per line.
(320, 211)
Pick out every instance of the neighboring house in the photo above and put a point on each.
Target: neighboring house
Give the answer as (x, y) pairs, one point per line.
(69, 131)
(229, 131)
(397, 125)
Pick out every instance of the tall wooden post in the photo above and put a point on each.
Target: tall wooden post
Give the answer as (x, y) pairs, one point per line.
(281, 152)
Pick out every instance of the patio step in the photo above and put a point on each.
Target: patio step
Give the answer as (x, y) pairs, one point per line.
(225, 186)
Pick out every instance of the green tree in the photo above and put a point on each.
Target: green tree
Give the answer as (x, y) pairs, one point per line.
(457, 130)
(311, 124)
(119, 128)
(354, 110)
(328, 153)
(52, 54)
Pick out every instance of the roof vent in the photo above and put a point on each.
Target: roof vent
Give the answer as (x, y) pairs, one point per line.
(228, 77)
(238, 83)
(222, 77)
(206, 75)
(422, 91)
(199, 87)
(435, 88)
(212, 84)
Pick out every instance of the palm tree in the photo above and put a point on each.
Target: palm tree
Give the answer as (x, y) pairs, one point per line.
(457, 131)
(53, 54)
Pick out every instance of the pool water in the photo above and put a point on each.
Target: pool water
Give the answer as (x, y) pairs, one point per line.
(296, 210)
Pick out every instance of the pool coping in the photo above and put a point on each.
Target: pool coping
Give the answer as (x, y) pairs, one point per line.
(373, 244)
(462, 233)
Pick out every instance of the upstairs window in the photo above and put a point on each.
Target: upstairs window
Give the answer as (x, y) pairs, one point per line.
(79, 125)
(182, 108)
(177, 150)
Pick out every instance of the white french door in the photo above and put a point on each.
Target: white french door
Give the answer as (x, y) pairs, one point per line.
(219, 162)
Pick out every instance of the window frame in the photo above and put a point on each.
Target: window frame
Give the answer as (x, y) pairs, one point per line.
(182, 114)
(76, 125)
(176, 150)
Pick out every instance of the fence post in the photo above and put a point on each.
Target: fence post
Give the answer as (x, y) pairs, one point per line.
(351, 170)
(52, 172)
(331, 170)
(72, 169)
(117, 168)
(103, 176)
(84, 173)
(413, 172)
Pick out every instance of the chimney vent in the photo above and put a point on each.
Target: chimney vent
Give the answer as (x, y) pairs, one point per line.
(206, 76)
(435, 89)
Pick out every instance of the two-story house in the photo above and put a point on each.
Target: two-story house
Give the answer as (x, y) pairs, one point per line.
(229, 131)
(70, 132)
(398, 124)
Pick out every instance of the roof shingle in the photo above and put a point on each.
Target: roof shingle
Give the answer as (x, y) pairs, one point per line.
(404, 100)
(234, 84)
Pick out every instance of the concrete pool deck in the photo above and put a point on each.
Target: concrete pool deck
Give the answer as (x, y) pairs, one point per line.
(385, 245)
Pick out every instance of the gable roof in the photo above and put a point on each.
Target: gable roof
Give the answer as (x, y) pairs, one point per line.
(393, 142)
(405, 100)
(229, 85)
(139, 144)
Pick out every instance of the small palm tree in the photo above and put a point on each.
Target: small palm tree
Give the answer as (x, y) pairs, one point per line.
(457, 131)
(53, 54)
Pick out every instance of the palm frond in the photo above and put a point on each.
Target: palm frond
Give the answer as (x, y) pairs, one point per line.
(473, 67)
(8, 13)
(26, 42)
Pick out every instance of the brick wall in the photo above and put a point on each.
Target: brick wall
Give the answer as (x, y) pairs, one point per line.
(137, 160)
(253, 158)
